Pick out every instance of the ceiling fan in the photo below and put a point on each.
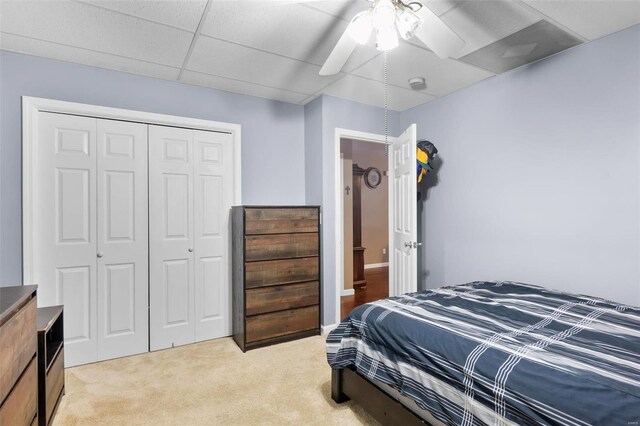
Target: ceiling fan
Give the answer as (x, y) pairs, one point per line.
(389, 19)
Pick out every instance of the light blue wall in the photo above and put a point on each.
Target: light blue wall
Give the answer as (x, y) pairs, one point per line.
(313, 151)
(273, 160)
(338, 113)
(540, 179)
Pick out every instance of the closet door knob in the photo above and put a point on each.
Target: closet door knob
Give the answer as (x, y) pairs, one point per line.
(100, 254)
(190, 249)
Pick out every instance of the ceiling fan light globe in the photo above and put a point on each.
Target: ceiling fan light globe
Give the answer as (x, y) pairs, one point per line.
(360, 27)
(383, 14)
(408, 23)
(386, 38)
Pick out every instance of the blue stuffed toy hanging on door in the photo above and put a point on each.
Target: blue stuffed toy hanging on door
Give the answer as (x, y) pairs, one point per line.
(426, 151)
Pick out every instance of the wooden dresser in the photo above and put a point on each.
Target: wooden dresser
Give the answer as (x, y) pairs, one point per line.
(18, 360)
(276, 274)
(50, 362)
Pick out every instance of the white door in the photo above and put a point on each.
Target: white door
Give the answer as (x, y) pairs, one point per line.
(190, 196)
(91, 251)
(403, 262)
(122, 253)
(213, 197)
(171, 242)
(65, 249)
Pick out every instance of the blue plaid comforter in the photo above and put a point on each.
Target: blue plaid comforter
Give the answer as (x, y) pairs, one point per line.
(500, 353)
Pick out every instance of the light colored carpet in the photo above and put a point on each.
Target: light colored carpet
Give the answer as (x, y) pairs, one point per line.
(209, 383)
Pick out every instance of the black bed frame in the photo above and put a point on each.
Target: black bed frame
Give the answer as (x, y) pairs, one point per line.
(348, 384)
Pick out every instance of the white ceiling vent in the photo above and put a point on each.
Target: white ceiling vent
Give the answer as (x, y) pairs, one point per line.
(533, 43)
(520, 50)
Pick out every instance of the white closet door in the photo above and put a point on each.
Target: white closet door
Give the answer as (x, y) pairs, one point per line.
(213, 197)
(171, 275)
(65, 249)
(122, 239)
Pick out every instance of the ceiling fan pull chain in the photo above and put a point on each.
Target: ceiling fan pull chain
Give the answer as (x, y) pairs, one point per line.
(386, 122)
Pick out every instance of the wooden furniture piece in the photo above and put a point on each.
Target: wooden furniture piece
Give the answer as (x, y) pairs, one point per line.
(50, 362)
(347, 384)
(359, 283)
(276, 274)
(18, 357)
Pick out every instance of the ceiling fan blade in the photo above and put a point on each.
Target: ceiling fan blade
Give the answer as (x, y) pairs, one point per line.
(275, 2)
(339, 55)
(437, 35)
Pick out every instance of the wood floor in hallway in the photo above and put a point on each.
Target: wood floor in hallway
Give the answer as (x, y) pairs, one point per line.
(377, 288)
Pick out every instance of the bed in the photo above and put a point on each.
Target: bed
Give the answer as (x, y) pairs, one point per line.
(497, 353)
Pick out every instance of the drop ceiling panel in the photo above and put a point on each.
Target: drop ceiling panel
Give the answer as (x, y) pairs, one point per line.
(371, 92)
(290, 30)
(347, 9)
(243, 87)
(217, 57)
(480, 23)
(61, 52)
(591, 19)
(531, 44)
(184, 14)
(344, 9)
(81, 25)
(406, 61)
(440, 7)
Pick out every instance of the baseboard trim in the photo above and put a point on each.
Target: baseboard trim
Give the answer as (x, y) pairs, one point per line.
(327, 328)
(347, 292)
(376, 265)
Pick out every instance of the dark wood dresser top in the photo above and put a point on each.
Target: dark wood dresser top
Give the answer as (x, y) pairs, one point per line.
(47, 316)
(11, 298)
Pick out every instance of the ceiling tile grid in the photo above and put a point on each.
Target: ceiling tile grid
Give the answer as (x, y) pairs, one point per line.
(238, 86)
(88, 27)
(344, 10)
(61, 52)
(275, 48)
(230, 60)
(371, 92)
(182, 14)
(290, 30)
(591, 19)
(481, 23)
(535, 42)
(406, 61)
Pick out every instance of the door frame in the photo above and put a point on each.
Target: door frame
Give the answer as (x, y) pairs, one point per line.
(31, 106)
(341, 133)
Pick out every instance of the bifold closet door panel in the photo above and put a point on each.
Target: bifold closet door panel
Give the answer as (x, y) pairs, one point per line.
(171, 242)
(65, 228)
(213, 197)
(122, 256)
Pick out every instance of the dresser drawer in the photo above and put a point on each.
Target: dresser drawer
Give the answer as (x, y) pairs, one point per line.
(21, 405)
(54, 383)
(258, 274)
(281, 297)
(18, 346)
(265, 326)
(265, 247)
(280, 221)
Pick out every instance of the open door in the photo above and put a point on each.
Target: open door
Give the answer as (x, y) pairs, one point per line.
(403, 270)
